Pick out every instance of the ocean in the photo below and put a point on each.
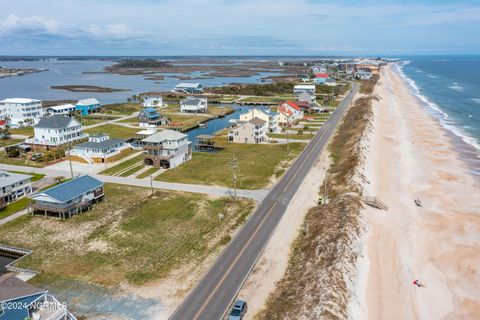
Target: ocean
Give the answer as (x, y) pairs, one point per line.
(449, 87)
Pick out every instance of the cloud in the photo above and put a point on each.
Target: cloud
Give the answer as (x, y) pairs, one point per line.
(117, 31)
(35, 24)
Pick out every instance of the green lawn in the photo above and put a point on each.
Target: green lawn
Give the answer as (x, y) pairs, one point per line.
(114, 131)
(145, 238)
(132, 170)
(147, 173)
(7, 142)
(303, 136)
(126, 108)
(122, 166)
(14, 207)
(35, 176)
(256, 165)
(27, 131)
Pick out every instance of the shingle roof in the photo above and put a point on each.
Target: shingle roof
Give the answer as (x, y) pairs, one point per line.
(71, 189)
(58, 121)
(105, 144)
(87, 102)
(257, 121)
(12, 288)
(9, 178)
(163, 135)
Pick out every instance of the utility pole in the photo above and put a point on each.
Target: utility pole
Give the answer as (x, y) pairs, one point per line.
(234, 166)
(151, 183)
(288, 141)
(70, 158)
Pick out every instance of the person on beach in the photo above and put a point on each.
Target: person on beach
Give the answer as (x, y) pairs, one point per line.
(418, 283)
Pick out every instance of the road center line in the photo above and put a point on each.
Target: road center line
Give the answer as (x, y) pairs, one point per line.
(234, 263)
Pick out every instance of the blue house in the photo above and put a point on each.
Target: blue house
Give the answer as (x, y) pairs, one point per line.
(88, 106)
(150, 116)
(189, 88)
(69, 198)
(21, 300)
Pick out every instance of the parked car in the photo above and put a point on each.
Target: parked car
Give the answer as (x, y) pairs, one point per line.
(37, 157)
(238, 311)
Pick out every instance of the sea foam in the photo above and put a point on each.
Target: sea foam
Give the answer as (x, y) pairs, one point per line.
(441, 115)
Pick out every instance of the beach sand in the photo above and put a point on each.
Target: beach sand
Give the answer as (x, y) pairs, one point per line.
(410, 155)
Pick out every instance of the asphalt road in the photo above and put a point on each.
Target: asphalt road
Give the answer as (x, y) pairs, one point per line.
(215, 292)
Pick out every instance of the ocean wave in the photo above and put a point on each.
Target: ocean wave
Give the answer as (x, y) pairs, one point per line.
(476, 100)
(456, 87)
(432, 76)
(441, 115)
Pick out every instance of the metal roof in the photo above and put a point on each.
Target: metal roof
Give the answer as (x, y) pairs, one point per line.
(192, 101)
(19, 100)
(87, 102)
(188, 85)
(105, 144)
(164, 135)
(71, 189)
(12, 288)
(62, 107)
(57, 121)
(9, 178)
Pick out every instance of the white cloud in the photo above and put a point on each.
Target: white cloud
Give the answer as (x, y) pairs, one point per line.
(117, 31)
(35, 24)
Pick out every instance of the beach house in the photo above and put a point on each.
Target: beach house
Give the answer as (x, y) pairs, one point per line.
(13, 186)
(88, 106)
(99, 148)
(188, 88)
(194, 105)
(166, 149)
(270, 117)
(320, 78)
(21, 112)
(69, 198)
(285, 116)
(65, 109)
(21, 300)
(293, 108)
(150, 117)
(306, 96)
(299, 88)
(252, 131)
(56, 131)
(152, 101)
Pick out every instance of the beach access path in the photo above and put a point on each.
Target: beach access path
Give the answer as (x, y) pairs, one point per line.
(411, 156)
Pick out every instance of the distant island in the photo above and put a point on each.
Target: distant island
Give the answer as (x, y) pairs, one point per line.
(11, 72)
(82, 88)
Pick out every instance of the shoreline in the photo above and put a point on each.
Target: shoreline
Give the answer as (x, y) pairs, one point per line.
(466, 145)
(409, 155)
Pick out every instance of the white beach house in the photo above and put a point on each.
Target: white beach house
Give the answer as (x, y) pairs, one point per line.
(252, 131)
(166, 149)
(270, 117)
(194, 105)
(20, 111)
(99, 149)
(13, 186)
(65, 109)
(189, 88)
(55, 131)
(152, 101)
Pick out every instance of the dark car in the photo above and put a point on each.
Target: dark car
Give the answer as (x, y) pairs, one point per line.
(238, 310)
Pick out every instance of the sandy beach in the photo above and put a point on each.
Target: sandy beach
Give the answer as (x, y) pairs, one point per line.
(411, 156)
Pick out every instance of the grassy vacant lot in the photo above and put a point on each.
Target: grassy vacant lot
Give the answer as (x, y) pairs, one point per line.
(125, 109)
(257, 164)
(19, 161)
(122, 166)
(144, 239)
(35, 176)
(7, 142)
(114, 131)
(27, 131)
(303, 136)
(14, 207)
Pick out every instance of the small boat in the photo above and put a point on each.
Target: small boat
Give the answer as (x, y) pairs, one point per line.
(202, 125)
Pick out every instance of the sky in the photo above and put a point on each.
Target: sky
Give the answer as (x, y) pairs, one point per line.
(239, 27)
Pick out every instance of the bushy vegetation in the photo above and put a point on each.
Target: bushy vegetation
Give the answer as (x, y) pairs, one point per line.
(145, 63)
(269, 89)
